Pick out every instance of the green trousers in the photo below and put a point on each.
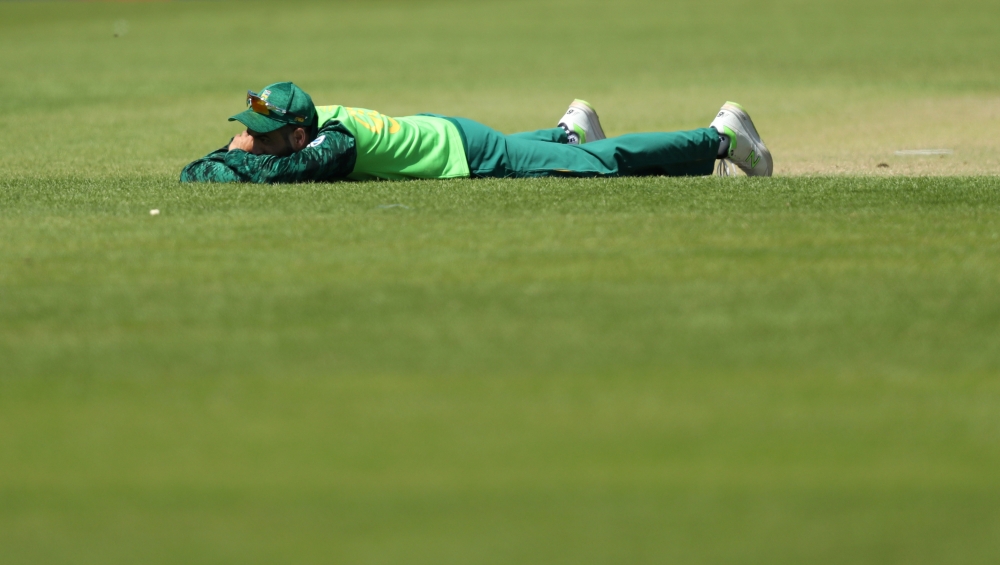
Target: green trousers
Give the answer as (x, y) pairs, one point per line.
(545, 153)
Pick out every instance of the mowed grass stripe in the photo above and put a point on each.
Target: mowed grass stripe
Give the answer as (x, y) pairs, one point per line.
(497, 266)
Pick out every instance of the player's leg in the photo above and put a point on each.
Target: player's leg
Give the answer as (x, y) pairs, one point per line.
(492, 154)
(741, 145)
(676, 153)
(551, 135)
(580, 124)
(731, 135)
(680, 153)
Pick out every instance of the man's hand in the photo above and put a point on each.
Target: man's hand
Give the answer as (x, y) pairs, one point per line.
(242, 141)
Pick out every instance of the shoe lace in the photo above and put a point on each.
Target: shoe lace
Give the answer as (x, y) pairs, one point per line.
(725, 168)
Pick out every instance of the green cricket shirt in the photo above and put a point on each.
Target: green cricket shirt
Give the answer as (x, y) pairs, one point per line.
(422, 147)
(352, 143)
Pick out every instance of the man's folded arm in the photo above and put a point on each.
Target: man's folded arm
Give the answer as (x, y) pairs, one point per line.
(211, 168)
(331, 156)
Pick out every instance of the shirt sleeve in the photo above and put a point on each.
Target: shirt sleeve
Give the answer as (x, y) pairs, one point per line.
(210, 168)
(331, 156)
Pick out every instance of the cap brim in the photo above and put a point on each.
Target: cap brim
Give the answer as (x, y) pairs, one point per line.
(257, 122)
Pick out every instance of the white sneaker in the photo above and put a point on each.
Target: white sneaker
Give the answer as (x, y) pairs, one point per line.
(746, 149)
(581, 123)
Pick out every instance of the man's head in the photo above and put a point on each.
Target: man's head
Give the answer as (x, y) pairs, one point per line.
(281, 119)
(281, 142)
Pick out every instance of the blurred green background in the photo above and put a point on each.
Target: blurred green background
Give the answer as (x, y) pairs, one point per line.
(788, 370)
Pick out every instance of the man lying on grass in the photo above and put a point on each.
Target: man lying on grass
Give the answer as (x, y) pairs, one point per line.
(288, 139)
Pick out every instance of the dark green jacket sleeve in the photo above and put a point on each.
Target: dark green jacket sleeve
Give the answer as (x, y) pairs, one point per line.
(210, 168)
(331, 156)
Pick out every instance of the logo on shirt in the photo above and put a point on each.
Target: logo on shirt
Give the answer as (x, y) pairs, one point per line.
(317, 141)
(373, 121)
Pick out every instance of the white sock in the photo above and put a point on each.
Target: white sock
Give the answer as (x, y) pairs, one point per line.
(724, 143)
(572, 138)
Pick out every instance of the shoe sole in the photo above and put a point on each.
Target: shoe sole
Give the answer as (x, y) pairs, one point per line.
(747, 124)
(598, 133)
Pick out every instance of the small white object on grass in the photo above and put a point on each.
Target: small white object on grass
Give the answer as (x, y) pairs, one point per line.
(154, 212)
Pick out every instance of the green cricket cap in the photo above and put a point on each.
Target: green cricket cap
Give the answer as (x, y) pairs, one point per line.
(298, 106)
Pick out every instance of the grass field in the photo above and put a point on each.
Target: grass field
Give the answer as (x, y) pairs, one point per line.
(801, 369)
